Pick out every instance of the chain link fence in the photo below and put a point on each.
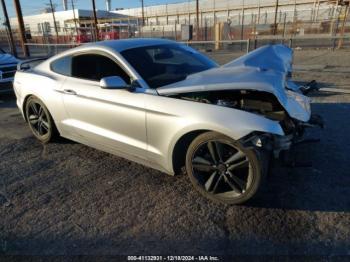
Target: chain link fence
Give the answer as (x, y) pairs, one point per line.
(317, 27)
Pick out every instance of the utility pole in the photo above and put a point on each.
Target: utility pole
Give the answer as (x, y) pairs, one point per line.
(54, 20)
(75, 19)
(275, 23)
(335, 10)
(197, 19)
(95, 19)
(259, 13)
(9, 30)
(21, 27)
(143, 12)
(242, 26)
(341, 39)
(318, 8)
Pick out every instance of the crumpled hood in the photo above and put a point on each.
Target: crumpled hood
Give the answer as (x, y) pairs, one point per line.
(7, 59)
(243, 78)
(273, 57)
(222, 78)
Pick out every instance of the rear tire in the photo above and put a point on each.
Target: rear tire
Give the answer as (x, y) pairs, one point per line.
(40, 120)
(221, 169)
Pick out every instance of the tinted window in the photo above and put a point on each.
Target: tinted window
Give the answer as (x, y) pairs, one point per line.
(62, 65)
(166, 64)
(94, 67)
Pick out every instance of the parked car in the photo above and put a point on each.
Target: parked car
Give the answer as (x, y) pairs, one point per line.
(167, 106)
(8, 67)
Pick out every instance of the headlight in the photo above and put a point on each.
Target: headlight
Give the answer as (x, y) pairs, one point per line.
(302, 100)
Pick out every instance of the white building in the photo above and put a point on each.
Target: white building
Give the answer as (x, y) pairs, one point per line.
(66, 21)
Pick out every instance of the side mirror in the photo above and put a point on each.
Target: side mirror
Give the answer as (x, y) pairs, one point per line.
(113, 82)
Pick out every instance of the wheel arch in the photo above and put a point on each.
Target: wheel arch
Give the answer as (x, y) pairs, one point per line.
(25, 100)
(178, 156)
(183, 138)
(179, 148)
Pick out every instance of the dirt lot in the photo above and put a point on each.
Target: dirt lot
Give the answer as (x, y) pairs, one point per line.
(66, 198)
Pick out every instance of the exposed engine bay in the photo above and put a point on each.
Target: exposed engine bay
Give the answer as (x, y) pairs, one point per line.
(261, 103)
(257, 102)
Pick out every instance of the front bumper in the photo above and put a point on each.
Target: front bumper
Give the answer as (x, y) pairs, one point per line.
(277, 143)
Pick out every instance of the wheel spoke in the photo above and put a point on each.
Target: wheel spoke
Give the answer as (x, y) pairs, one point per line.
(210, 180)
(201, 160)
(212, 151)
(45, 125)
(34, 109)
(216, 184)
(234, 188)
(202, 167)
(240, 164)
(238, 155)
(238, 181)
(41, 111)
(219, 150)
(40, 129)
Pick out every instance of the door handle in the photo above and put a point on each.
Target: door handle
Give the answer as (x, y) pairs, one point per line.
(69, 92)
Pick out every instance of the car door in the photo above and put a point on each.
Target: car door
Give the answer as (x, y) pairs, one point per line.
(111, 118)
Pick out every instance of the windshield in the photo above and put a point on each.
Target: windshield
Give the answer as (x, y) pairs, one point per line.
(161, 65)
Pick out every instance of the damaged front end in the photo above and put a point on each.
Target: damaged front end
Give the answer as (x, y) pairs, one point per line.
(268, 106)
(279, 145)
(259, 83)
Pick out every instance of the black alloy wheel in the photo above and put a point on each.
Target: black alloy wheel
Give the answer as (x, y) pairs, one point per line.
(222, 169)
(39, 120)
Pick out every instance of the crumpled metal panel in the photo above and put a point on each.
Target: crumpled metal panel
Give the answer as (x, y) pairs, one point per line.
(270, 57)
(264, 69)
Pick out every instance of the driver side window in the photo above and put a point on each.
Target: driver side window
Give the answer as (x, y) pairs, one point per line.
(95, 67)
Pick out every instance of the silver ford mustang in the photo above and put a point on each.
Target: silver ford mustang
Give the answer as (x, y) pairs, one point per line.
(167, 106)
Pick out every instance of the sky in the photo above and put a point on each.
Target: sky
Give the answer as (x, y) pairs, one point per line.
(34, 6)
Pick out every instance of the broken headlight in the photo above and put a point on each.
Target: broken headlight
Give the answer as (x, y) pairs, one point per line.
(302, 100)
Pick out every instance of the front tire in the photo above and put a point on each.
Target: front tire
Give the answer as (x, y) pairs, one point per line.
(39, 119)
(221, 169)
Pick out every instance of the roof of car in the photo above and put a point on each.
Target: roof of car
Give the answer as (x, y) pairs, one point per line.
(124, 44)
(116, 45)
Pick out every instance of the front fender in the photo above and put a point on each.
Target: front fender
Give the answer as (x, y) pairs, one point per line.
(168, 119)
(237, 124)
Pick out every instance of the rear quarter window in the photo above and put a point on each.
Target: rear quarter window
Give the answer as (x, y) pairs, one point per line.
(62, 66)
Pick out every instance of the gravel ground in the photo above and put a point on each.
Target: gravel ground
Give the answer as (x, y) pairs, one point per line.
(65, 198)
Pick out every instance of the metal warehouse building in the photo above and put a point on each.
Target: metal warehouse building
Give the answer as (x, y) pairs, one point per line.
(213, 11)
